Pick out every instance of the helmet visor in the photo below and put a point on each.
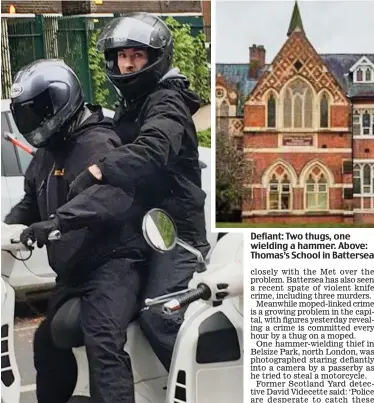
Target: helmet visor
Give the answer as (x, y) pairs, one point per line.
(128, 32)
(29, 115)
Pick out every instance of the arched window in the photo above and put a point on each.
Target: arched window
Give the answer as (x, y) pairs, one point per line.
(359, 75)
(298, 105)
(368, 74)
(324, 111)
(366, 122)
(357, 179)
(279, 192)
(316, 191)
(223, 118)
(223, 109)
(367, 179)
(272, 115)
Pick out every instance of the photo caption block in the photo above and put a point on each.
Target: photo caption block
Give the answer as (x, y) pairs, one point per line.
(309, 316)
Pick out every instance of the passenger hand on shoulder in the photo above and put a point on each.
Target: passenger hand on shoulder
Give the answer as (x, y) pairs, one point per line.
(89, 177)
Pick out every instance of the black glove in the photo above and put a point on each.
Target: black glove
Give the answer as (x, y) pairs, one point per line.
(82, 182)
(39, 232)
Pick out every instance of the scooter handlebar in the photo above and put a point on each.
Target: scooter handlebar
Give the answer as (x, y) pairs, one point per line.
(201, 292)
(53, 236)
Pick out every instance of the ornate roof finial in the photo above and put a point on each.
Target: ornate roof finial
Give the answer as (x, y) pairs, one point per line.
(296, 22)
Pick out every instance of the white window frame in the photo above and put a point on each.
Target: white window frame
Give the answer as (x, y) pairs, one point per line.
(360, 113)
(363, 69)
(280, 191)
(316, 191)
(363, 64)
(361, 167)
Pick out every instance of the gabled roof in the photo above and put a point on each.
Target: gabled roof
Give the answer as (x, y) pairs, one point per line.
(363, 60)
(237, 76)
(341, 64)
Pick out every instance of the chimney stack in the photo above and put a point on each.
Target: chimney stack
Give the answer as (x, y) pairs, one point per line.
(256, 60)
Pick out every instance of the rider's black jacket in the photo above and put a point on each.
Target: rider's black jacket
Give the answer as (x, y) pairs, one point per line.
(93, 225)
(159, 156)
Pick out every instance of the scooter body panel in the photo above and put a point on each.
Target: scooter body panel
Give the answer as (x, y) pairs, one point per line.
(203, 367)
(207, 363)
(10, 377)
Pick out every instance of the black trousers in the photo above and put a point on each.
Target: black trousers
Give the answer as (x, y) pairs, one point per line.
(167, 273)
(109, 300)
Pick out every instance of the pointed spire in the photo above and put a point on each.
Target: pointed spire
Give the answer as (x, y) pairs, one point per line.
(296, 21)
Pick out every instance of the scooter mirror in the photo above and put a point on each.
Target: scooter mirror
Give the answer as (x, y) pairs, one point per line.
(159, 230)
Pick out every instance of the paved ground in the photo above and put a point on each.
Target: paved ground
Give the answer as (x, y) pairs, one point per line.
(26, 322)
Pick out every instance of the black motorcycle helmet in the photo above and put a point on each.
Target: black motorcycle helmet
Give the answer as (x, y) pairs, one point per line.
(137, 30)
(45, 96)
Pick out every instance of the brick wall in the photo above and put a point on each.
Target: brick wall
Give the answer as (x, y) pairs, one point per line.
(291, 220)
(41, 7)
(206, 9)
(298, 161)
(363, 218)
(334, 140)
(363, 148)
(261, 140)
(77, 7)
(32, 7)
(340, 116)
(254, 115)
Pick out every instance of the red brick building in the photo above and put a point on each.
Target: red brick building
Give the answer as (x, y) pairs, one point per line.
(307, 125)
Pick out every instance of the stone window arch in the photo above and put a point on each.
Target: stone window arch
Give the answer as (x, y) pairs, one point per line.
(279, 192)
(298, 100)
(223, 109)
(316, 190)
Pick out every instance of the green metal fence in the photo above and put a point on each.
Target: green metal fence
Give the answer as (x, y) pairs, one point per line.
(25, 41)
(72, 40)
(69, 38)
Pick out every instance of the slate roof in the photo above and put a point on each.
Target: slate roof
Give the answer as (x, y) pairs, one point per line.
(237, 75)
(339, 65)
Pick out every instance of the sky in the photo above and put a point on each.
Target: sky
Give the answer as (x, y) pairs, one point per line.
(331, 27)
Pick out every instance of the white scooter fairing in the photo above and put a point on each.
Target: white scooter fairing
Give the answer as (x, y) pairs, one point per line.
(207, 363)
(10, 378)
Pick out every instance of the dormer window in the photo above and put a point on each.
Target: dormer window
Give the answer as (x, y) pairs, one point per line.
(363, 70)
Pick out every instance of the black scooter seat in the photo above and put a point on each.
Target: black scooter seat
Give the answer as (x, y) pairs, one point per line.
(66, 327)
